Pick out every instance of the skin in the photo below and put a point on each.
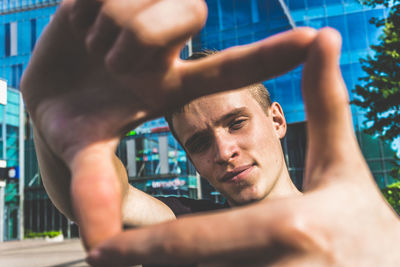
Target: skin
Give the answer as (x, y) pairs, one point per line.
(329, 225)
(100, 69)
(230, 134)
(84, 75)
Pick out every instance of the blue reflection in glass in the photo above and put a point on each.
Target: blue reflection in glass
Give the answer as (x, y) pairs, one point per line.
(296, 4)
(330, 2)
(357, 31)
(339, 23)
(317, 23)
(315, 3)
(243, 12)
(372, 31)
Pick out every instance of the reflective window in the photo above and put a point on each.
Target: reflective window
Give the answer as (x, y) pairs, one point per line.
(317, 23)
(357, 31)
(13, 38)
(274, 9)
(255, 16)
(16, 74)
(7, 39)
(243, 12)
(213, 22)
(296, 4)
(227, 14)
(330, 2)
(297, 96)
(283, 92)
(315, 3)
(33, 33)
(372, 31)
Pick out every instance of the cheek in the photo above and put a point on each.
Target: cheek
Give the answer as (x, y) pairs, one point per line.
(203, 165)
(266, 144)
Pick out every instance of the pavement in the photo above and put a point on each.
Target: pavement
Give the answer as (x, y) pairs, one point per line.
(42, 253)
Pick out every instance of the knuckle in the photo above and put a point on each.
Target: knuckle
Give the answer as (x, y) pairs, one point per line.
(199, 7)
(300, 232)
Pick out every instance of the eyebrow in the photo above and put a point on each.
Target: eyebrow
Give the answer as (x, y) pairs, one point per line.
(225, 117)
(231, 114)
(195, 136)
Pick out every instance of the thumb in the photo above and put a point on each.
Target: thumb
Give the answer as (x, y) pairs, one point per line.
(96, 193)
(331, 139)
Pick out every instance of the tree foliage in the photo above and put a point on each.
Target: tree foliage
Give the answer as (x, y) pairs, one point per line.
(379, 91)
(392, 195)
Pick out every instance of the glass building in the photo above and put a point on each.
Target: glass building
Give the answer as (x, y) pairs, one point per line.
(155, 161)
(21, 23)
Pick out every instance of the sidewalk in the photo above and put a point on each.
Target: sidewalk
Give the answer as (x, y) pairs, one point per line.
(42, 253)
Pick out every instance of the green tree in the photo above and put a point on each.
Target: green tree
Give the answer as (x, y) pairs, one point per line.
(379, 90)
(392, 195)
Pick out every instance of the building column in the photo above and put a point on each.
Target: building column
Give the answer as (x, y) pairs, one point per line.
(131, 157)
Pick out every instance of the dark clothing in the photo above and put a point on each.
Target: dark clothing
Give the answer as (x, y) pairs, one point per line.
(184, 205)
(181, 206)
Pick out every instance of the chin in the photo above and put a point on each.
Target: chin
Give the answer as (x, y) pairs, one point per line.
(247, 199)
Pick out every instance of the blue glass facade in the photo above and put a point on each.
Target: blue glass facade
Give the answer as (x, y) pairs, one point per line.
(21, 23)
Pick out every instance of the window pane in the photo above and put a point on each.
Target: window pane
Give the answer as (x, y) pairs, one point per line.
(296, 4)
(33, 33)
(315, 3)
(7, 39)
(243, 12)
(330, 2)
(13, 38)
(356, 26)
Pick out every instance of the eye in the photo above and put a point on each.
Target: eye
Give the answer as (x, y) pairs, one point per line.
(237, 124)
(199, 145)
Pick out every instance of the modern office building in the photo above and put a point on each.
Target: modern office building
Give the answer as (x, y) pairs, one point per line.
(21, 23)
(155, 161)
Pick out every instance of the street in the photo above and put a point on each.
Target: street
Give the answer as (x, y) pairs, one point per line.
(35, 253)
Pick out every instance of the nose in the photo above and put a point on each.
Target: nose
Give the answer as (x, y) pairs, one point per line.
(226, 149)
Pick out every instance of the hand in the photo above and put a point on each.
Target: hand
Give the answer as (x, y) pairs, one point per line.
(341, 220)
(102, 68)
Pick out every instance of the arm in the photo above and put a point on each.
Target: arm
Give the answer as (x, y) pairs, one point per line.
(138, 208)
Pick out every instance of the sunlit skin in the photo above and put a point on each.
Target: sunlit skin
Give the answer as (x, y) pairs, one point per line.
(105, 67)
(235, 144)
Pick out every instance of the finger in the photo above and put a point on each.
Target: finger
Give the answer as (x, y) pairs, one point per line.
(331, 138)
(107, 26)
(240, 66)
(161, 26)
(129, 54)
(102, 35)
(96, 193)
(83, 13)
(199, 243)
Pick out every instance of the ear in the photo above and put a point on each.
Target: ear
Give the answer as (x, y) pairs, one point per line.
(278, 120)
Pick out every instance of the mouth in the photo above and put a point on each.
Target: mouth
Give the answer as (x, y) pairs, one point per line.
(237, 174)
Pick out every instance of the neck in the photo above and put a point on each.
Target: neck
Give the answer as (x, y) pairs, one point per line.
(283, 187)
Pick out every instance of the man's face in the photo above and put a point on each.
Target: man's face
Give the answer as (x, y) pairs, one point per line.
(234, 144)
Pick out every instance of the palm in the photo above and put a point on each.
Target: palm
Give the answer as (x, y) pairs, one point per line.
(81, 101)
(96, 103)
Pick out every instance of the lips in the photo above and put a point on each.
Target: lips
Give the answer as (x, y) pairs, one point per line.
(237, 174)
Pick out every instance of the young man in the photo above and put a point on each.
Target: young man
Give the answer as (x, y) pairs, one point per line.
(233, 140)
(91, 78)
(84, 99)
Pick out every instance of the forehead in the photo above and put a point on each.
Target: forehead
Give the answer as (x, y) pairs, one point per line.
(204, 112)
